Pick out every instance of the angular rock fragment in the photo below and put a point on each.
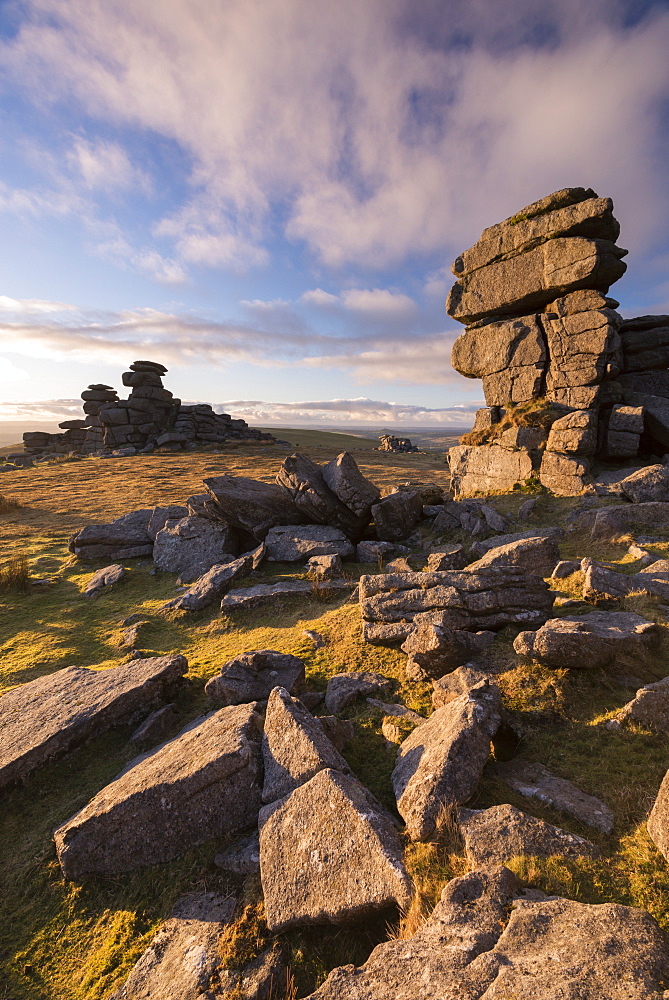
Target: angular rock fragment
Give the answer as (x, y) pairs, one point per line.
(125, 538)
(182, 962)
(297, 544)
(156, 726)
(252, 676)
(253, 506)
(106, 577)
(441, 761)
(343, 689)
(565, 567)
(447, 557)
(484, 545)
(386, 633)
(395, 515)
(325, 567)
(611, 522)
(658, 820)
(649, 708)
(574, 434)
(493, 836)
(192, 546)
(539, 555)
(434, 651)
(269, 593)
(161, 515)
(647, 485)
(294, 746)
(487, 939)
(398, 565)
(458, 682)
(590, 641)
(47, 716)
(204, 783)
(303, 480)
(328, 855)
(602, 583)
(211, 585)
(371, 552)
(535, 781)
(347, 482)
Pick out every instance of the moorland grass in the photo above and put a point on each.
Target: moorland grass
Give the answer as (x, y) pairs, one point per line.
(64, 941)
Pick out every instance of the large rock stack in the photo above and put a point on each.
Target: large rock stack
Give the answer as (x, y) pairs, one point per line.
(149, 412)
(532, 293)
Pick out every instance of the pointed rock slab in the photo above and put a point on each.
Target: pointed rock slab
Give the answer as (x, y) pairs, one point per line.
(488, 940)
(328, 855)
(493, 836)
(193, 545)
(125, 538)
(253, 506)
(303, 481)
(591, 641)
(294, 746)
(48, 716)
(182, 961)
(204, 783)
(106, 577)
(252, 676)
(658, 821)
(535, 781)
(211, 585)
(347, 482)
(441, 761)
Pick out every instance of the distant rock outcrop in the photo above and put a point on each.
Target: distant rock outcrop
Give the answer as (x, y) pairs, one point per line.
(151, 417)
(564, 377)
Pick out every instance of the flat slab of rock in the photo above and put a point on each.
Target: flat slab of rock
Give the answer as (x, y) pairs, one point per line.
(211, 585)
(294, 746)
(193, 545)
(487, 600)
(268, 593)
(47, 716)
(253, 506)
(590, 641)
(649, 708)
(447, 557)
(182, 961)
(290, 543)
(538, 555)
(343, 689)
(125, 538)
(434, 651)
(483, 545)
(204, 783)
(488, 940)
(371, 552)
(328, 855)
(106, 577)
(611, 522)
(441, 761)
(460, 681)
(386, 633)
(647, 485)
(535, 781)
(493, 836)
(253, 675)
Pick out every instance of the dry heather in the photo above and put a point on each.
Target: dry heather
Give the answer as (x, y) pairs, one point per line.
(61, 941)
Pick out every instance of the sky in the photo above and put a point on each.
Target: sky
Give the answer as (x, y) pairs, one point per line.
(266, 195)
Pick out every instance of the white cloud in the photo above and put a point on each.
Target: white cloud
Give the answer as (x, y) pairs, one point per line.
(377, 129)
(11, 373)
(349, 412)
(106, 166)
(32, 306)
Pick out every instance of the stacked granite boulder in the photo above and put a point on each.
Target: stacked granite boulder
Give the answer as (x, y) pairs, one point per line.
(391, 443)
(532, 293)
(150, 418)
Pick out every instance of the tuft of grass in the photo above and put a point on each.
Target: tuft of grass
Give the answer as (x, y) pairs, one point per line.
(536, 413)
(15, 575)
(7, 504)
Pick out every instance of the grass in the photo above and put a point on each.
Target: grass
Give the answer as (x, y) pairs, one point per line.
(535, 413)
(62, 941)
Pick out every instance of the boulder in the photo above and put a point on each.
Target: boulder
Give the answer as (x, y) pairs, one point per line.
(534, 781)
(483, 545)
(563, 475)
(447, 557)
(44, 718)
(434, 651)
(645, 343)
(533, 279)
(574, 434)
(212, 585)
(182, 962)
(396, 515)
(658, 820)
(649, 708)
(192, 545)
(204, 783)
(486, 600)
(591, 641)
(294, 746)
(285, 543)
(647, 485)
(269, 593)
(303, 480)
(125, 538)
(610, 483)
(441, 761)
(487, 469)
(493, 836)
(656, 414)
(488, 938)
(565, 567)
(252, 676)
(343, 689)
(386, 633)
(325, 567)
(253, 506)
(346, 481)
(371, 552)
(509, 356)
(538, 555)
(329, 855)
(460, 681)
(106, 577)
(602, 583)
(611, 522)
(161, 515)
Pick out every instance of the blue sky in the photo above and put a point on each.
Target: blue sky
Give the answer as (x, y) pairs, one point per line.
(266, 195)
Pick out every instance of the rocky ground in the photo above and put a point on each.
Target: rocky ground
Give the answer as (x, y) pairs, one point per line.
(457, 737)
